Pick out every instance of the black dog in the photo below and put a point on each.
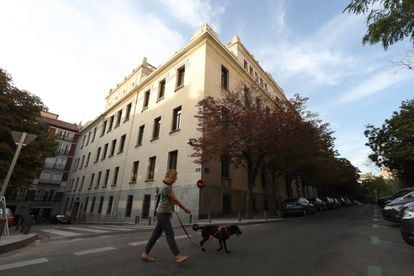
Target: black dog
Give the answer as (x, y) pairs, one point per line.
(222, 233)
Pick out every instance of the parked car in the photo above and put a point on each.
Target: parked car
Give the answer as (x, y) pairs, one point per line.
(10, 216)
(407, 224)
(387, 199)
(393, 210)
(61, 218)
(297, 206)
(320, 205)
(330, 203)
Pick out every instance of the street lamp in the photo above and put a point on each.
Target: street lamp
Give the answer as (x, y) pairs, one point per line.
(21, 139)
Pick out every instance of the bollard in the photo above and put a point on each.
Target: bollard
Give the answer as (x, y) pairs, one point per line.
(239, 215)
(209, 217)
(136, 219)
(191, 218)
(149, 220)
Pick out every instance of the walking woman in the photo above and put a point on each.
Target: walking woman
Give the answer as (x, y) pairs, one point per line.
(164, 214)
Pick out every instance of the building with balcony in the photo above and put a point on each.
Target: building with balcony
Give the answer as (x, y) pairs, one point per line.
(146, 128)
(43, 198)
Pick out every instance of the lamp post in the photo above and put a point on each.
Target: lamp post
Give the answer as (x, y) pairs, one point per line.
(21, 139)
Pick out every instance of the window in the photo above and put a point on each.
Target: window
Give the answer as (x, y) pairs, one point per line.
(256, 76)
(109, 209)
(91, 183)
(81, 164)
(180, 77)
(88, 139)
(263, 178)
(128, 112)
(103, 128)
(94, 134)
(106, 179)
(87, 159)
(225, 166)
(157, 126)
(176, 124)
(161, 89)
(128, 207)
(82, 182)
(140, 135)
(113, 144)
(92, 204)
(86, 204)
(76, 185)
(151, 168)
(265, 84)
(251, 71)
(98, 180)
(104, 152)
(261, 82)
(247, 96)
(172, 159)
(134, 174)
(224, 78)
(146, 100)
(115, 179)
(97, 154)
(100, 205)
(246, 65)
(118, 118)
(122, 143)
(83, 141)
(111, 122)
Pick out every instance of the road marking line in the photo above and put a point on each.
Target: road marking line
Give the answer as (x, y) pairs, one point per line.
(88, 230)
(61, 233)
(24, 263)
(137, 243)
(374, 270)
(375, 219)
(375, 240)
(375, 226)
(111, 228)
(95, 250)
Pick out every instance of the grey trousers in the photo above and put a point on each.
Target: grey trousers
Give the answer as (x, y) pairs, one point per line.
(163, 224)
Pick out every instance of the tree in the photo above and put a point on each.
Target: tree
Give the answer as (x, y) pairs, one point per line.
(393, 143)
(235, 127)
(20, 111)
(392, 23)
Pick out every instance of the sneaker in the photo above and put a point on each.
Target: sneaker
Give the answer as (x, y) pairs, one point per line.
(147, 258)
(181, 258)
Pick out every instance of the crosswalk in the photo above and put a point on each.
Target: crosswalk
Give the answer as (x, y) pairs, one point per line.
(83, 230)
(81, 253)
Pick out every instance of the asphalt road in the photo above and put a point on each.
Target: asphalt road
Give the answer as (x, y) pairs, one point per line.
(348, 241)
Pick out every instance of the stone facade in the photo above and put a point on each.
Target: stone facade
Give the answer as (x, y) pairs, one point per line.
(147, 127)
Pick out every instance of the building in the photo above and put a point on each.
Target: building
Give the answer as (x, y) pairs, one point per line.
(43, 198)
(146, 128)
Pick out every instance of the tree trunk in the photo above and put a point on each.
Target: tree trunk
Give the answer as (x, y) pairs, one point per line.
(251, 175)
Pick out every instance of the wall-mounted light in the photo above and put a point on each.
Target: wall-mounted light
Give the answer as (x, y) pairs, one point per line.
(191, 141)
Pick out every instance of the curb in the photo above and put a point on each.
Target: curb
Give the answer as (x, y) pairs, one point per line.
(18, 244)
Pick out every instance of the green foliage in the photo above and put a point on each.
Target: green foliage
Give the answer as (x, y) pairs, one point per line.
(393, 143)
(389, 24)
(20, 111)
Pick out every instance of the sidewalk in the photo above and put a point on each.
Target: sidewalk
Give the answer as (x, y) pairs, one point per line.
(18, 240)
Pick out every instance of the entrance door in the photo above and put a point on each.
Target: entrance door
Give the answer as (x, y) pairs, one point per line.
(226, 204)
(75, 210)
(146, 206)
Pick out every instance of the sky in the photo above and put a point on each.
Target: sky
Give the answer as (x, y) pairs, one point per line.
(71, 53)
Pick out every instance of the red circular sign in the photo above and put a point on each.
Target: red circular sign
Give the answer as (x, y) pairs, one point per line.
(200, 184)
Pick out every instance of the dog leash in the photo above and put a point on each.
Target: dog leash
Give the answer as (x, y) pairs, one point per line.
(185, 231)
